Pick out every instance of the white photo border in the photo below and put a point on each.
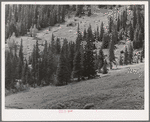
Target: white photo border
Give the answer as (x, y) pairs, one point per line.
(49, 114)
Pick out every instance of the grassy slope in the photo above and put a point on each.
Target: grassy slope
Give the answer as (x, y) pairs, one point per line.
(119, 90)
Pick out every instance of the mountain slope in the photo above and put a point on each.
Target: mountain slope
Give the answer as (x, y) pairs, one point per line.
(123, 88)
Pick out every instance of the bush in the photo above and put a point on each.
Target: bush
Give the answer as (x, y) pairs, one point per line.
(105, 70)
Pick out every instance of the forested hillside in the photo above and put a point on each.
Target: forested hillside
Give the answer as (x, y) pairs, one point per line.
(61, 62)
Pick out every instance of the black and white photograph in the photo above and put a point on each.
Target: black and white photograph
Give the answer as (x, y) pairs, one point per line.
(66, 57)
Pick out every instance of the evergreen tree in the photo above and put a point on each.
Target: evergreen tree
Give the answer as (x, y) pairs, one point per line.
(45, 63)
(97, 34)
(24, 72)
(88, 62)
(141, 58)
(51, 66)
(63, 13)
(105, 42)
(115, 34)
(101, 32)
(53, 44)
(118, 24)
(111, 51)
(77, 65)
(124, 19)
(130, 56)
(136, 43)
(131, 32)
(140, 41)
(71, 55)
(110, 24)
(58, 46)
(89, 11)
(120, 60)
(63, 73)
(138, 15)
(78, 39)
(78, 10)
(19, 69)
(8, 69)
(126, 56)
(101, 60)
(21, 52)
(34, 64)
(134, 17)
(65, 48)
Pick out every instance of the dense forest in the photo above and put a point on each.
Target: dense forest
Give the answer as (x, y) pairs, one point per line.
(60, 64)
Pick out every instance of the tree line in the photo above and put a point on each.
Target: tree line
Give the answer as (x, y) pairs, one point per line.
(20, 18)
(59, 64)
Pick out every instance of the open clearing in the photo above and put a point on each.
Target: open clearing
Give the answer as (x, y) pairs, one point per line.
(121, 89)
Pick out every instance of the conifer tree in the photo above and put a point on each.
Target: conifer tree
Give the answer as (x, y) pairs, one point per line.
(63, 13)
(110, 24)
(138, 15)
(111, 51)
(89, 11)
(120, 60)
(131, 32)
(63, 73)
(141, 58)
(105, 41)
(21, 52)
(126, 56)
(71, 55)
(65, 48)
(88, 62)
(140, 41)
(19, 69)
(118, 24)
(77, 65)
(136, 41)
(53, 44)
(45, 63)
(51, 66)
(101, 32)
(134, 17)
(58, 46)
(24, 73)
(8, 69)
(130, 56)
(97, 34)
(101, 60)
(115, 34)
(78, 39)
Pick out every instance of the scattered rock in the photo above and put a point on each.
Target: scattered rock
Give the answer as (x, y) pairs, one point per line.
(75, 19)
(71, 24)
(88, 106)
(58, 106)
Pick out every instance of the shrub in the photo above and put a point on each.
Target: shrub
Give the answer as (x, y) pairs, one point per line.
(105, 70)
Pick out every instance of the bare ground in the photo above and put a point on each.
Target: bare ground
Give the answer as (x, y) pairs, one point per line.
(121, 88)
